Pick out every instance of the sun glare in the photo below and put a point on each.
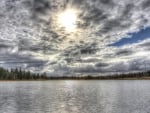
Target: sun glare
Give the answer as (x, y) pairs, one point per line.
(68, 19)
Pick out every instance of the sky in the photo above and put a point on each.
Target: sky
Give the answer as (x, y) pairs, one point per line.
(75, 37)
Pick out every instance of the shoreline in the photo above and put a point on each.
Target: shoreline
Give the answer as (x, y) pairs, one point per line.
(141, 78)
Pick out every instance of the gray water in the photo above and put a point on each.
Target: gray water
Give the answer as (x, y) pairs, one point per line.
(72, 96)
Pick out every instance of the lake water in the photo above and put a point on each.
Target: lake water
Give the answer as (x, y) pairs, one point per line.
(72, 96)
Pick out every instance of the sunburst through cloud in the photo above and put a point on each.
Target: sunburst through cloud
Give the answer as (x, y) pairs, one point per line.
(68, 20)
(75, 37)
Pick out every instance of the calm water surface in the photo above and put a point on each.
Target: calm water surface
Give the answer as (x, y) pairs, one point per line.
(72, 96)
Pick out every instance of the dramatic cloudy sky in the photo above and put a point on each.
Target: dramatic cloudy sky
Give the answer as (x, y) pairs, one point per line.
(108, 36)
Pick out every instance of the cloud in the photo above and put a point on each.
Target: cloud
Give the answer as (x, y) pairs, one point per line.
(101, 64)
(29, 28)
(125, 52)
(145, 4)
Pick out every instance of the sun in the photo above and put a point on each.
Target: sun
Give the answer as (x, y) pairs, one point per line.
(67, 20)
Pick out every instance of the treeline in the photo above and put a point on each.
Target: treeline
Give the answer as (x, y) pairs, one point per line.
(18, 74)
(137, 75)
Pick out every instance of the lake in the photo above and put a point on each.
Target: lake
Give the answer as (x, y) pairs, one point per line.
(75, 96)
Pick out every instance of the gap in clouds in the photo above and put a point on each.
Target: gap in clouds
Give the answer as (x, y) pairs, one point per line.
(135, 37)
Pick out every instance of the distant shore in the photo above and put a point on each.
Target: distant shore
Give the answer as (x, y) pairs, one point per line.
(22, 75)
(128, 78)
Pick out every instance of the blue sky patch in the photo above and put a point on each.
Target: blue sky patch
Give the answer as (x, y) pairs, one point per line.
(135, 37)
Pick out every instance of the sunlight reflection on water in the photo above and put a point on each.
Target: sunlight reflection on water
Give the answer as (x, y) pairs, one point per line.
(72, 96)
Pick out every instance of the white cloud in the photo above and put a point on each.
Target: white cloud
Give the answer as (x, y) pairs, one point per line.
(28, 29)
